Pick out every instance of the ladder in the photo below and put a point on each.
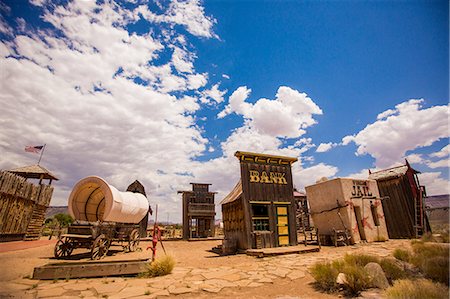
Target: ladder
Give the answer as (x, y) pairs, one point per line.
(418, 212)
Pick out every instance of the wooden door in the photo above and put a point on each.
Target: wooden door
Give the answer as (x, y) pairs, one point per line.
(283, 225)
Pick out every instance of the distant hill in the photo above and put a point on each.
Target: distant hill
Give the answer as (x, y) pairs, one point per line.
(51, 211)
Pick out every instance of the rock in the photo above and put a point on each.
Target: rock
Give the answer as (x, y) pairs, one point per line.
(295, 274)
(254, 284)
(182, 290)
(341, 279)
(377, 275)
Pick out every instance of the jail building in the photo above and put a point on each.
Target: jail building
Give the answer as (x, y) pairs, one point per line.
(348, 205)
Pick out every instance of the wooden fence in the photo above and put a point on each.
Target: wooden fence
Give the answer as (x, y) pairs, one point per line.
(22, 207)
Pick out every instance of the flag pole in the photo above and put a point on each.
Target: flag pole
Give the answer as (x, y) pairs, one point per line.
(42, 152)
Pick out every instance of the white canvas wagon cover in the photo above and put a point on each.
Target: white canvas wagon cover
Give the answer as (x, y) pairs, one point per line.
(93, 199)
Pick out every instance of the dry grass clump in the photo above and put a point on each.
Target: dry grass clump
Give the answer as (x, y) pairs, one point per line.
(402, 255)
(159, 267)
(325, 275)
(432, 260)
(352, 266)
(417, 289)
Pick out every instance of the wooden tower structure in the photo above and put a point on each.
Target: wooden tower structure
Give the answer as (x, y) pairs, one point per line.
(198, 212)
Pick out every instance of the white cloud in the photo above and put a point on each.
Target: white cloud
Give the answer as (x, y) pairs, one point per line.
(76, 92)
(308, 176)
(225, 76)
(405, 129)
(434, 183)
(325, 147)
(415, 159)
(182, 61)
(290, 113)
(214, 93)
(445, 151)
(439, 164)
(363, 174)
(189, 14)
(386, 113)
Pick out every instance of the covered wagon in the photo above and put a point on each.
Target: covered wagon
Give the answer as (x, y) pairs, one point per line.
(103, 216)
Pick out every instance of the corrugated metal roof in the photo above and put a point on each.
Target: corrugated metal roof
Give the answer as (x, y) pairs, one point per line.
(389, 173)
(437, 201)
(234, 194)
(34, 172)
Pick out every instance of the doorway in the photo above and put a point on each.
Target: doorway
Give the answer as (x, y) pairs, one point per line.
(362, 233)
(282, 225)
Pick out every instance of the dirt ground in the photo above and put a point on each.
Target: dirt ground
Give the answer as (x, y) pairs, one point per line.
(18, 265)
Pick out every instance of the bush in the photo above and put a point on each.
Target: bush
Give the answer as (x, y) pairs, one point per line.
(357, 279)
(392, 270)
(417, 289)
(160, 267)
(352, 266)
(325, 275)
(64, 220)
(360, 259)
(402, 255)
(432, 260)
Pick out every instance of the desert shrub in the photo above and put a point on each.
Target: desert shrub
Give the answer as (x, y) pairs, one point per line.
(352, 266)
(392, 270)
(159, 267)
(417, 289)
(325, 275)
(360, 259)
(357, 279)
(432, 260)
(402, 255)
(64, 220)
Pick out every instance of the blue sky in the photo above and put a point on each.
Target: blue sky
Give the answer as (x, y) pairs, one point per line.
(166, 92)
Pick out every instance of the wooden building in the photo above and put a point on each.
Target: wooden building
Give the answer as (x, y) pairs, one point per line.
(198, 212)
(403, 207)
(22, 203)
(260, 211)
(302, 211)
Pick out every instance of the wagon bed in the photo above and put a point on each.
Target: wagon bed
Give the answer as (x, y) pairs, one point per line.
(97, 237)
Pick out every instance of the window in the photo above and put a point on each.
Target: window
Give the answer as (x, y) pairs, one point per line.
(260, 217)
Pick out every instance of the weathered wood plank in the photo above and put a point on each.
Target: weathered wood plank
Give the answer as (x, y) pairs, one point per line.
(90, 269)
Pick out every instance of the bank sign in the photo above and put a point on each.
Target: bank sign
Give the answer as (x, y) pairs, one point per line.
(267, 177)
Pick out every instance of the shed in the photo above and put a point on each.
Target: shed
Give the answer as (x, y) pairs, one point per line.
(22, 203)
(404, 207)
(260, 211)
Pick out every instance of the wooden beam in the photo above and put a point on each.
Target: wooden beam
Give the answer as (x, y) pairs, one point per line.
(68, 270)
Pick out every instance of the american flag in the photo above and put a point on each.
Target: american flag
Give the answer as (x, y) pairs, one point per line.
(33, 149)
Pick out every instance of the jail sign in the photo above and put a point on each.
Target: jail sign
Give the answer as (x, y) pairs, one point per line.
(267, 177)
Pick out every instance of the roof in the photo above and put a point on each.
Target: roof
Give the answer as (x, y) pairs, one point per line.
(393, 172)
(299, 193)
(234, 194)
(34, 172)
(437, 201)
(263, 158)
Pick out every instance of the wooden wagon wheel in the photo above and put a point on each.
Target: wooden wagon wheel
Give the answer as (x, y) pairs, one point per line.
(100, 247)
(133, 241)
(63, 248)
